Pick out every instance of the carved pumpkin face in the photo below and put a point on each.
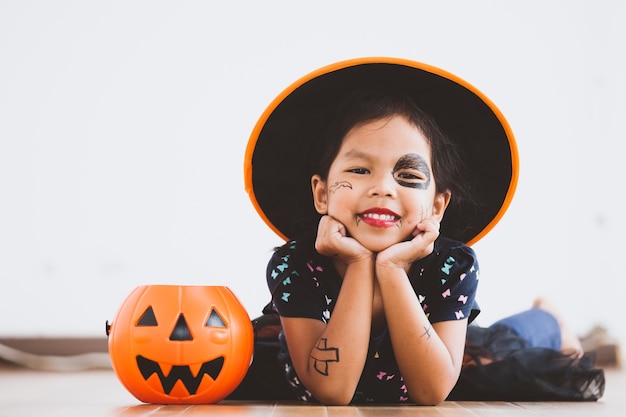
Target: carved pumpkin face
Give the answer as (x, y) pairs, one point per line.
(181, 344)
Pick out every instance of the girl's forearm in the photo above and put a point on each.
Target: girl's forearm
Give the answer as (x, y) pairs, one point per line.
(336, 360)
(429, 364)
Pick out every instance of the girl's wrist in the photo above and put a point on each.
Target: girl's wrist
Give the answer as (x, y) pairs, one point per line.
(365, 260)
(388, 268)
(363, 265)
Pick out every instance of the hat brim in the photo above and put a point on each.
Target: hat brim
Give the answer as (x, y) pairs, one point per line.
(276, 151)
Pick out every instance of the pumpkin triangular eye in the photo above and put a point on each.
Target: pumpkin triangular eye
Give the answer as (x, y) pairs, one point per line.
(147, 318)
(215, 320)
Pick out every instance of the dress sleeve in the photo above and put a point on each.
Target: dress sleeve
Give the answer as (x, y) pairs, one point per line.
(446, 286)
(296, 291)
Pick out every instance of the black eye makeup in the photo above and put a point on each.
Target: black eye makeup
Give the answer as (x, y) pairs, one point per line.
(412, 171)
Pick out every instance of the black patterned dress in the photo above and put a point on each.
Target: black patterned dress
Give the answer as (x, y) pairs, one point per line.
(445, 283)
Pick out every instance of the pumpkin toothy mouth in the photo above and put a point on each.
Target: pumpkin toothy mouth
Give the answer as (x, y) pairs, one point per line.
(181, 373)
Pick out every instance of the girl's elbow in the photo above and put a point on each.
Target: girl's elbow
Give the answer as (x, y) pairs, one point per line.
(428, 399)
(433, 396)
(334, 397)
(333, 393)
(336, 401)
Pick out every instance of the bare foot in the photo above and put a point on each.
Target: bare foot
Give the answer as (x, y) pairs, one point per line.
(570, 344)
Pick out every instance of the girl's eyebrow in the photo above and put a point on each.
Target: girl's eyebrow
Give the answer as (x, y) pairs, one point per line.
(357, 154)
(413, 161)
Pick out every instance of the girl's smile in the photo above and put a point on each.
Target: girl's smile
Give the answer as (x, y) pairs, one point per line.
(379, 217)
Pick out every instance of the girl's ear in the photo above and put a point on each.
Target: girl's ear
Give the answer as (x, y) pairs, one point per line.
(440, 204)
(318, 186)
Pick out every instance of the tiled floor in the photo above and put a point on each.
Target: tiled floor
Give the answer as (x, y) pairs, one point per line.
(27, 393)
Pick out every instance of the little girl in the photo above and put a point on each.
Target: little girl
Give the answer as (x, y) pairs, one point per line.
(379, 174)
(378, 287)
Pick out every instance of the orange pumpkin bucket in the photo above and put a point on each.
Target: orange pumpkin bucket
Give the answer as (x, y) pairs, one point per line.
(181, 344)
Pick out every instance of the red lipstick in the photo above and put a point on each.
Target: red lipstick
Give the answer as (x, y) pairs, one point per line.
(379, 217)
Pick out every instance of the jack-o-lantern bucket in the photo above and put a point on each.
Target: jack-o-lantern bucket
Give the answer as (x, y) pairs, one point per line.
(174, 344)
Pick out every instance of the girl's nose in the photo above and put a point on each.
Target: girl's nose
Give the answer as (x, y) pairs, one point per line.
(383, 186)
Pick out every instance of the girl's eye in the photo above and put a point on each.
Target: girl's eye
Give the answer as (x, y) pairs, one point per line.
(409, 176)
(361, 171)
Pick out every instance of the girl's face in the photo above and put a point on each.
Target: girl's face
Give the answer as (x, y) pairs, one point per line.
(380, 185)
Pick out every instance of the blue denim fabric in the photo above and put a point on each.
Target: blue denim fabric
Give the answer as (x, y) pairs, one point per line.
(536, 326)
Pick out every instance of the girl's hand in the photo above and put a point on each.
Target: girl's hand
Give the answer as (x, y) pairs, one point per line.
(402, 254)
(332, 241)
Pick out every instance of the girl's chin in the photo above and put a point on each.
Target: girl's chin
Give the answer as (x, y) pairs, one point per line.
(377, 244)
(379, 240)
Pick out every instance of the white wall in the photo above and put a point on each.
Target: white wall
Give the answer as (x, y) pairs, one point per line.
(123, 126)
